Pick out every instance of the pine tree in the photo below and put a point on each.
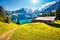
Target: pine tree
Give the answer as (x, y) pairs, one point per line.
(58, 13)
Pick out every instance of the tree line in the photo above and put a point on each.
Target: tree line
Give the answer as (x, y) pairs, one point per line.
(53, 13)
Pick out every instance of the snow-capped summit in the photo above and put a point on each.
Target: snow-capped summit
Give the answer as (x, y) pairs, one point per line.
(50, 6)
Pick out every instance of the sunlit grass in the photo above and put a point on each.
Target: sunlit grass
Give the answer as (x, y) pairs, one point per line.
(57, 21)
(36, 31)
(6, 27)
(32, 31)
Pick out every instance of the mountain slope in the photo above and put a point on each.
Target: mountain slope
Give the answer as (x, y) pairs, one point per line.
(51, 7)
(2, 13)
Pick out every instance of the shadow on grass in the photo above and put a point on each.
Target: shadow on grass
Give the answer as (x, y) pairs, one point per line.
(55, 25)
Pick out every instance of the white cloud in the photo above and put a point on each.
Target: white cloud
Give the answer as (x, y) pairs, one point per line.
(47, 5)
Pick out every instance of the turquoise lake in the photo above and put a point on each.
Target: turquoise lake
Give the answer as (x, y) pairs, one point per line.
(22, 21)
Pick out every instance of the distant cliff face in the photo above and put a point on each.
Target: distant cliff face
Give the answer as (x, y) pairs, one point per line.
(2, 14)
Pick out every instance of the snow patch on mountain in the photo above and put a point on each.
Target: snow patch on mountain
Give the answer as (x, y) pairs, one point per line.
(47, 5)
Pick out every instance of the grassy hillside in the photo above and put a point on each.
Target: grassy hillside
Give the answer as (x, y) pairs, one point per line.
(6, 27)
(57, 21)
(37, 31)
(32, 31)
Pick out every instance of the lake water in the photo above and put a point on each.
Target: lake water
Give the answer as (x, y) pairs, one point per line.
(22, 21)
(25, 21)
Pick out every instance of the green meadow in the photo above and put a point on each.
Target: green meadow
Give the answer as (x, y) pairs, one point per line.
(31, 31)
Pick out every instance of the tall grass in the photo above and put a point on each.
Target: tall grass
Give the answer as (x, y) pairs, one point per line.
(36, 31)
(6, 27)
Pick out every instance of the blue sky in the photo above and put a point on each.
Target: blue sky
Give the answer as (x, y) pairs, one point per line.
(17, 4)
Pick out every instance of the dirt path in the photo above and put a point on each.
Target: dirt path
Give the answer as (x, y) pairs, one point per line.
(7, 35)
